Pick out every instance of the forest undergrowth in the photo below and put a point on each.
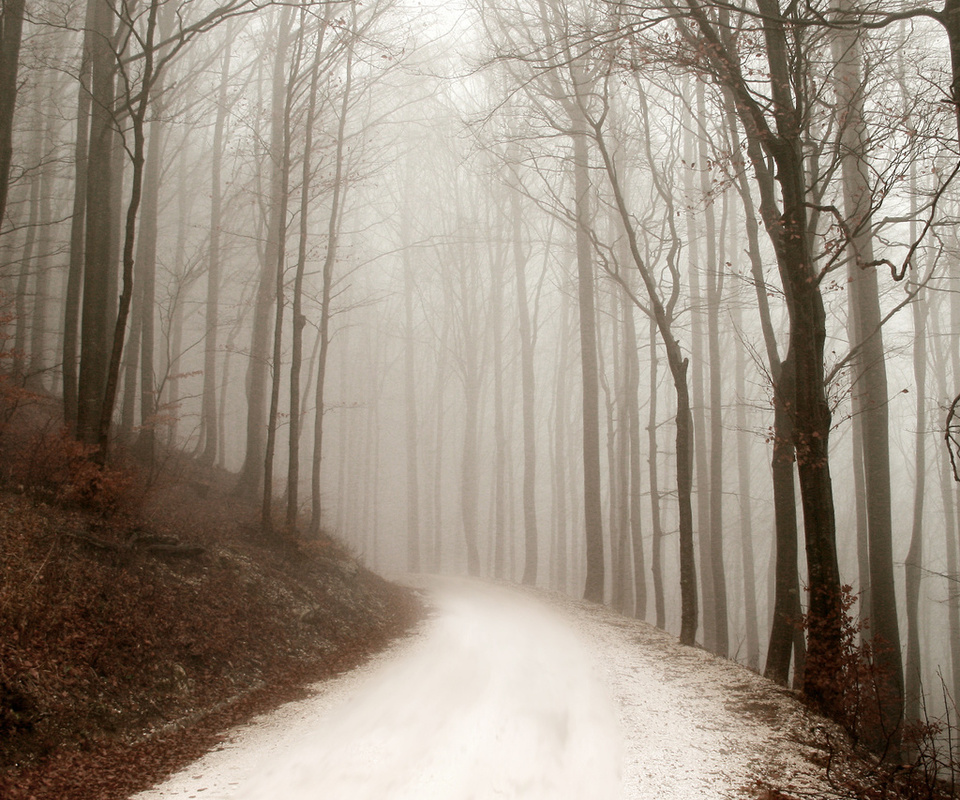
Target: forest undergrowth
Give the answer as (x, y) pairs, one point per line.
(866, 754)
(143, 611)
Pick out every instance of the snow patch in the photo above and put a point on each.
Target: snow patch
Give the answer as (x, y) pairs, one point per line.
(507, 693)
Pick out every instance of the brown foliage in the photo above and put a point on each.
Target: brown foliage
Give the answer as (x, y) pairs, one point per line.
(870, 765)
(53, 466)
(131, 633)
(853, 680)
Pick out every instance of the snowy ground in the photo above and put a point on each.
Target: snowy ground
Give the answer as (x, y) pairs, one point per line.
(510, 694)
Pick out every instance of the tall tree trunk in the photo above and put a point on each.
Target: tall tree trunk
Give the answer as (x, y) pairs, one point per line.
(38, 364)
(173, 346)
(774, 138)
(871, 380)
(498, 255)
(149, 81)
(698, 403)
(439, 440)
(608, 386)
(624, 602)
(859, 487)
(410, 407)
(279, 256)
(146, 277)
(593, 514)
(222, 414)
(172, 373)
(560, 425)
(469, 467)
(786, 639)
(746, 504)
(131, 367)
(71, 312)
(713, 276)
(913, 565)
(634, 494)
(527, 339)
(101, 186)
(23, 321)
(208, 406)
(656, 556)
(684, 421)
(299, 320)
(346, 489)
(941, 359)
(326, 295)
(952, 528)
(11, 30)
(251, 474)
(914, 561)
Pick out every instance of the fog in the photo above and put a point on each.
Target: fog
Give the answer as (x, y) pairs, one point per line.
(506, 238)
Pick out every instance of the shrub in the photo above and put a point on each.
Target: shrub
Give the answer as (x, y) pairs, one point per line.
(888, 760)
(859, 688)
(56, 467)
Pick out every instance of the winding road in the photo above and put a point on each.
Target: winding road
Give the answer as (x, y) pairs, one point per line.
(507, 693)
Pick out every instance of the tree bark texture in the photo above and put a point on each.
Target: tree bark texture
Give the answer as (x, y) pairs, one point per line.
(11, 32)
(101, 186)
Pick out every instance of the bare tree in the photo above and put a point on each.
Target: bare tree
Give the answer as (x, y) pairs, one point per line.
(11, 31)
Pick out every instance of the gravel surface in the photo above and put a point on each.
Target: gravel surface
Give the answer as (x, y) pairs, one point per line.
(507, 693)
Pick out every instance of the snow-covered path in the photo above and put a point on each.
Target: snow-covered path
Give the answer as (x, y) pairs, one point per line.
(503, 695)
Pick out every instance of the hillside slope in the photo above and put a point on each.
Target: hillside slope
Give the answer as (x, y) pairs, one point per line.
(133, 631)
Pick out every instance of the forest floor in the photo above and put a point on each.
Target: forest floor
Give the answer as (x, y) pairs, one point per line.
(142, 614)
(514, 693)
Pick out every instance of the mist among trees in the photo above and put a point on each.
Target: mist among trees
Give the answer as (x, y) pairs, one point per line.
(649, 303)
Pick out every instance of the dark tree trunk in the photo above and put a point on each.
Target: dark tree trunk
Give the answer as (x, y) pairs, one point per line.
(786, 609)
(279, 266)
(785, 218)
(656, 556)
(616, 532)
(23, 320)
(71, 312)
(251, 473)
(786, 638)
(100, 221)
(39, 357)
(299, 320)
(137, 120)
(11, 30)
(146, 277)
(131, 365)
